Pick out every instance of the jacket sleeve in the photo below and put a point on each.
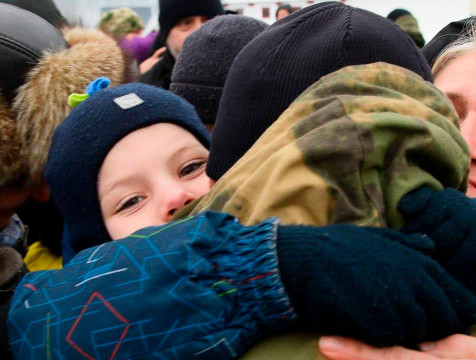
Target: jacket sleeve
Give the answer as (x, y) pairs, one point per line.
(205, 288)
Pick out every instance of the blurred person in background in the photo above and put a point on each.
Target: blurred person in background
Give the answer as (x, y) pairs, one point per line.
(452, 54)
(201, 69)
(407, 22)
(177, 20)
(125, 25)
(283, 11)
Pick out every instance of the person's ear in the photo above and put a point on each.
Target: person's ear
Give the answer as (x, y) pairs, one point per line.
(212, 182)
(41, 192)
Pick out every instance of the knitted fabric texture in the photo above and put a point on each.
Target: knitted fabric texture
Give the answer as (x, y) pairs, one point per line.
(81, 143)
(172, 11)
(200, 71)
(331, 276)
(449, 218)
(288, 57)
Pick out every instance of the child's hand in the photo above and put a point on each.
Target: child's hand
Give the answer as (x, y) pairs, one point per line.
(449, 218)
(368, 284)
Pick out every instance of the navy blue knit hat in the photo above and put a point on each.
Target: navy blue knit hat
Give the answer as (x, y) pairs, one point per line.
(172, 11)
(291, 55)
(80, 145)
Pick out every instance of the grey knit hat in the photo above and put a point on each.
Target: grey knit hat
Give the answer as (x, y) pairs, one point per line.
(201, 69)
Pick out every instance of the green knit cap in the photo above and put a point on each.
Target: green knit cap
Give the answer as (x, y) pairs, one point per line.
(120, 22)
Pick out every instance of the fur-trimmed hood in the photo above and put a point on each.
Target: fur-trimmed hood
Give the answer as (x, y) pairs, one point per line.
(12, 154)
(42, 102)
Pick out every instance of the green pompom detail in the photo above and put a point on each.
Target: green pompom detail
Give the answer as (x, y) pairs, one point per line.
(76, 99)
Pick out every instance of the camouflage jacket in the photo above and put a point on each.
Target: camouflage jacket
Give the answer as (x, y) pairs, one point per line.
(410, 25)
(347, 150)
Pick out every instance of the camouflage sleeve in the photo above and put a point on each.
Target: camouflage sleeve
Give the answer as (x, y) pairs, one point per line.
(347, 150)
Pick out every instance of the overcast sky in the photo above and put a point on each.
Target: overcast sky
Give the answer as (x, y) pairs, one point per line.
(432, 15)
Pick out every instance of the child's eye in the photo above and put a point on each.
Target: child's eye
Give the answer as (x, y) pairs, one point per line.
(130, 203)
(191, 168)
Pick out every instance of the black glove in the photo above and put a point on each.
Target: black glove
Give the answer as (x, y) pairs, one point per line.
(449, 218)
(370, 285)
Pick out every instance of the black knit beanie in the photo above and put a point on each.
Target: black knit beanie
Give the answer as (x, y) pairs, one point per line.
(172, 11)
(80, 145)
(201, 69)
(445, 36)
(288, 57)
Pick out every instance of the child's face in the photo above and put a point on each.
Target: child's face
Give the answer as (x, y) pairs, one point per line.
(149, 175)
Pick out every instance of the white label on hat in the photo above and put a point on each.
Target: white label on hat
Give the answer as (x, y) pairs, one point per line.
(128, 101)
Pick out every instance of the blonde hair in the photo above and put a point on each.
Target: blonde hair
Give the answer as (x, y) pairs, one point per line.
(465, 43)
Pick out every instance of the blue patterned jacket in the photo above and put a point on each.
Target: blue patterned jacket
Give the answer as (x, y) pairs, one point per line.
(208, 289)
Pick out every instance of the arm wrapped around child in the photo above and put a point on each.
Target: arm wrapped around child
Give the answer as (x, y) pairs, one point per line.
(211, 287)
(448, 217)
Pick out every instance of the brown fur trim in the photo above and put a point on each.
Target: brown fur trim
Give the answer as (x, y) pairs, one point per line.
(42, 102)
(12, 153)
(11, 264)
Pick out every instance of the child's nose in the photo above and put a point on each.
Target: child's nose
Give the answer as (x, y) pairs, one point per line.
(173, 201)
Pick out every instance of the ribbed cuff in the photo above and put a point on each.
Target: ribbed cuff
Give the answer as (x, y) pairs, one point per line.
(252, 264)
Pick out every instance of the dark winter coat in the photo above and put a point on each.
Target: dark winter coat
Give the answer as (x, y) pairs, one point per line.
(161, 74)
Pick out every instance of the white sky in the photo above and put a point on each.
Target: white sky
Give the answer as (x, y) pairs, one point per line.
(432, 15)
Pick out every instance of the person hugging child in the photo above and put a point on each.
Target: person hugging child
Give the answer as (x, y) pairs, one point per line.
(125, 161)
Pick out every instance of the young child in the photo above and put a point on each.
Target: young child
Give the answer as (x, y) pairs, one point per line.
(204, 287)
